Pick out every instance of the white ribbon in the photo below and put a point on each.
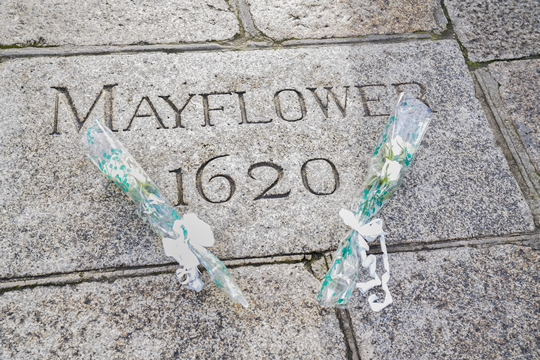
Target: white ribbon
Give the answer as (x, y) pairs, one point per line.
(198, 233)
(369, 233)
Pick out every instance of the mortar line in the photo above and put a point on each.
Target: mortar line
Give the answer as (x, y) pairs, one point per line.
(59, 279)
(522, 58)
(114, 273)
(450, 28)
(514, 150)
(506, 133)
(346, 326)
(529, 240)
(244, 14)
(68, 51)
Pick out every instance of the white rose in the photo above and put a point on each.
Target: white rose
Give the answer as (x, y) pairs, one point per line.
(154, 200)
(138, 175)
(391, 170)
(399, 146)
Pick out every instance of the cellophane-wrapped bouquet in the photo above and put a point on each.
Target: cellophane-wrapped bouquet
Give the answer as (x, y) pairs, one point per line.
(184, 238)
(388, 165)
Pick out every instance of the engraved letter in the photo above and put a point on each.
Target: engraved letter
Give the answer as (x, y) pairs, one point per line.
(136, 114)
(207, 109)
(177, 113)
(365, 100)
(301, 102)
(422, 87)
(324, 106)
(108, 107)
(243, 112)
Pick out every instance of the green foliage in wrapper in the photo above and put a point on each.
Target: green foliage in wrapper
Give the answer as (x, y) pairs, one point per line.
(115, 162)
(389, 163)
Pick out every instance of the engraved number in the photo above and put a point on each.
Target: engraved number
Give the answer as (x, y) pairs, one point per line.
(179, 187)
(232, 184)
(264, 194)
(279, 170)
(303, 172)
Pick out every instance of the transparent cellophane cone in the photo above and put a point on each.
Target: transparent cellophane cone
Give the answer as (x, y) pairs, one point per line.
(113, 160)
(399, 142)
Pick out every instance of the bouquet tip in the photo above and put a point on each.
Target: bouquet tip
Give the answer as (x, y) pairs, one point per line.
(242, 301)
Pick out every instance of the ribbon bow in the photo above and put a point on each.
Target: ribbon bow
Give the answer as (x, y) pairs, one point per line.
(189, 232)
(369, 232)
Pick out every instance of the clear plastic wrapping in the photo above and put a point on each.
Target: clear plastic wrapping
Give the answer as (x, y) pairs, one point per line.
(184, 238)
(388, 165)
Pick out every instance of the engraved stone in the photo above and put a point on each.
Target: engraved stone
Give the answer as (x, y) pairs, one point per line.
(265, 146)
(460, 303)
(491, 29)
(297, 19)
(519, 83)
(153, 318)
(95, 22)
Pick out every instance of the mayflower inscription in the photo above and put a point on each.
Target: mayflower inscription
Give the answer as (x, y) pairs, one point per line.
(288, 105)
(298, 112)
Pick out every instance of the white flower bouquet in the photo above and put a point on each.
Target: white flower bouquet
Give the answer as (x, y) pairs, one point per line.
(389, 163)
(184, 238)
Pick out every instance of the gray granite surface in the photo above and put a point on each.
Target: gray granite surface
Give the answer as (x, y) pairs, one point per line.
(519, 83)
(95, 22)
(283, 20)
(492, 29)
(220, 99)
(153, 318)
(459, 303)
(59, 214)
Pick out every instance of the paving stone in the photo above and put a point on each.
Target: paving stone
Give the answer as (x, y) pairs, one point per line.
(491, 29)
(152, 318)
(94, 22)
(519, 83)
(283, 20)
(59, 214)
(455, 304)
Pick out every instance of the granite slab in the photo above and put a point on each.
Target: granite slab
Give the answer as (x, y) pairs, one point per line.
(308, 118)
(153, 318)
(461, 303)
(491, 29)
(282, 20)
(117, 22)
(519, 83)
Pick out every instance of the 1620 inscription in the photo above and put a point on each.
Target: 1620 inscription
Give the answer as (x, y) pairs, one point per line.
(264, 108)
(265, 193)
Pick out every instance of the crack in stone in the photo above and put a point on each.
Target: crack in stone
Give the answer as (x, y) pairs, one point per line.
(106, 275)
(345, 323)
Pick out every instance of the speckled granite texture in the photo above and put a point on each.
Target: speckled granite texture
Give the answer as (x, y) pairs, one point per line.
(94, 22)
(492, 29)
(154, 318)
(519, 83)
(282, 20)
(260, 116)
(62, 215)
(460, 303)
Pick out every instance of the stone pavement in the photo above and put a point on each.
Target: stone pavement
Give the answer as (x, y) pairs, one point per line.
(287, 100)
